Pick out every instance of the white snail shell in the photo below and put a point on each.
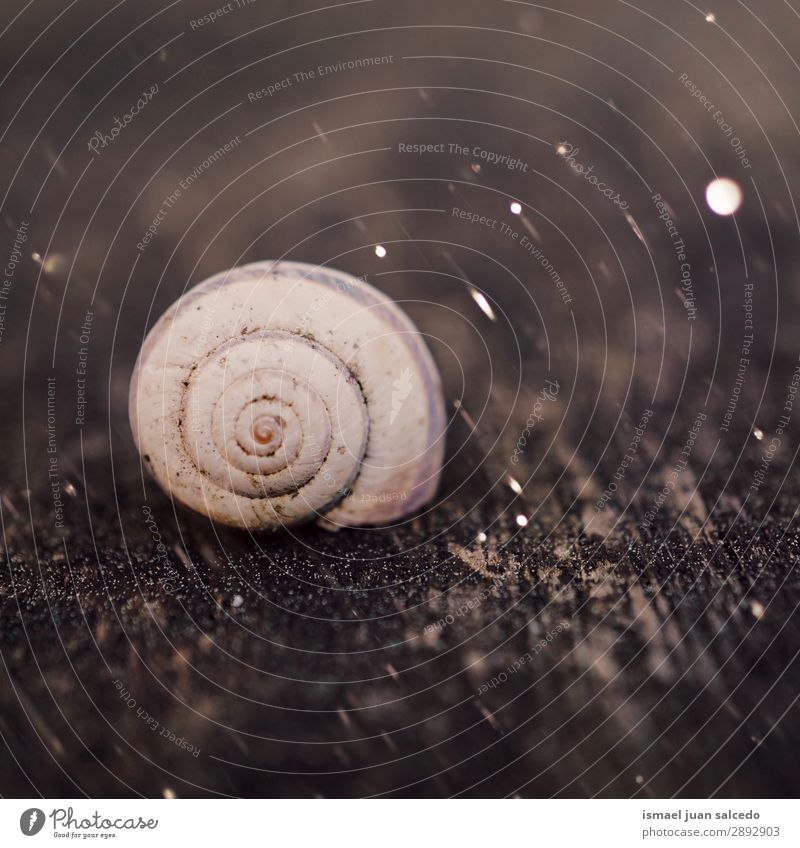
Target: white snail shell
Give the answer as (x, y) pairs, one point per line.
(279, 392)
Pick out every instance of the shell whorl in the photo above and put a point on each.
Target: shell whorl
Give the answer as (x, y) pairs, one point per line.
(280, 392)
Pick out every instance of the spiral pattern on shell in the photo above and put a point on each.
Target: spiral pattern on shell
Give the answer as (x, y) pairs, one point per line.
(279, 392)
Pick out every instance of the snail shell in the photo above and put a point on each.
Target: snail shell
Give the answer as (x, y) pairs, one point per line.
(279, 392)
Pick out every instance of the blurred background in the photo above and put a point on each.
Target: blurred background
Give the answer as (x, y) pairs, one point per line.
(605, 606)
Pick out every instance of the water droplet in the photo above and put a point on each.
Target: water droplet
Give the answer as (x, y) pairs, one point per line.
(55, 262)
(516, 208)
(723, 196)
(711, 17)
(522, 520)
(758, 433)
(635, 227)
(482, 537)
(237, 601)
(380, 251)
(318, 131)
(757, 609)
(515, 486)
(484, 304)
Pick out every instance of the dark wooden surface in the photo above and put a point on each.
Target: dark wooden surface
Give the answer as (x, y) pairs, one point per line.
(357, 663)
